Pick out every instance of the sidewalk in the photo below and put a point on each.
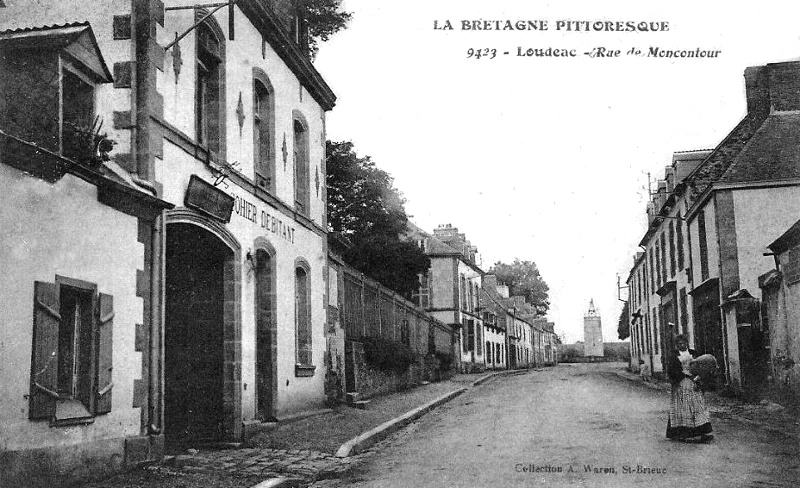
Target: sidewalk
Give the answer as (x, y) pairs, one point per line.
(769, 416)
(297, 452)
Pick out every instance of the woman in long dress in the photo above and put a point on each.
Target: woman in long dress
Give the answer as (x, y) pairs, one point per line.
(688, 413)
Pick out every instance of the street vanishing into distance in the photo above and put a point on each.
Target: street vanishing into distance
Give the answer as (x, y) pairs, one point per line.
(572, 425)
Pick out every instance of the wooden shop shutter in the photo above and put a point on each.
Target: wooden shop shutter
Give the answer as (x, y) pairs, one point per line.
(44, 368)
(105, 326)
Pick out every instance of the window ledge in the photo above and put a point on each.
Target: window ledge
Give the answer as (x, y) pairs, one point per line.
(71, 412)
(304, 370)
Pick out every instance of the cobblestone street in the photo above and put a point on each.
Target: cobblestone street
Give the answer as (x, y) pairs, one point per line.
(629, 428)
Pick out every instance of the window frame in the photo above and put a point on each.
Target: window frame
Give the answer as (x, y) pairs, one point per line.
(302, 164)
(304, 358)
(264, 172)
(216, 146)
(88, 393)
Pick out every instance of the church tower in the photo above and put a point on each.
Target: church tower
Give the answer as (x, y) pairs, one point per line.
(592, 332)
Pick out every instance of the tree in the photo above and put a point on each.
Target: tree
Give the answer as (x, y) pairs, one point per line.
(624, 327)
(324, 18)
(366, 208)
(523, 278)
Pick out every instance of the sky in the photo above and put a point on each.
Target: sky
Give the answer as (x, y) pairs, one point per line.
(544, 158)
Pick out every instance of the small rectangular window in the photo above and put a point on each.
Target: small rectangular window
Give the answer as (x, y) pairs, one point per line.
(71, 371)
(701, 236)
(679, 233)
(672, 261)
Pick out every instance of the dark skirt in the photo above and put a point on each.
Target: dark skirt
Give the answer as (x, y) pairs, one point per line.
(688, 413)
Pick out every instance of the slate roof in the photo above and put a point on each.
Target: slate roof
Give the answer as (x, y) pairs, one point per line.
(435, 246)
(76, 38)
(773, 153)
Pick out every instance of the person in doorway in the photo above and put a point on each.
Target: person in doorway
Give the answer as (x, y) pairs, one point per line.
(644, 371)
(688, 419)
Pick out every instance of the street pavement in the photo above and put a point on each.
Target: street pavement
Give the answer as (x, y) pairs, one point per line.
(573, 425)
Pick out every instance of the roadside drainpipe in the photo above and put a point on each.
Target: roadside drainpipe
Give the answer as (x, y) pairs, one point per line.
(156, 329)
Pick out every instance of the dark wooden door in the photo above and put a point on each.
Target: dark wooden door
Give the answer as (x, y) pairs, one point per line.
(193, 363)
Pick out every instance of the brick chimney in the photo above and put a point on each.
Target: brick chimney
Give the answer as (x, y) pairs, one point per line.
(774, 87)
(502, 290)
(756, 84)
(784, 86)
(489, 282)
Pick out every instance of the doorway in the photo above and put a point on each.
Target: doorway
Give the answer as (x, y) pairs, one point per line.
(194, 335)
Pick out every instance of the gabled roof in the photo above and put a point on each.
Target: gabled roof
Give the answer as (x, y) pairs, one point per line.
(789, 239)
(76, 39)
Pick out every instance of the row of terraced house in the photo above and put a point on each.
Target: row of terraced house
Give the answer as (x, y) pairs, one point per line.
(167, 275)
(718, 260)
(460, 320)
(495, 330)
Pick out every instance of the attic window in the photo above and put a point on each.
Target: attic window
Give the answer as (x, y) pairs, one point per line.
(49, 80)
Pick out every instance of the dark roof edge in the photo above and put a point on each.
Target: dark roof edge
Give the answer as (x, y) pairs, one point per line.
(788, 239)
(265, 20)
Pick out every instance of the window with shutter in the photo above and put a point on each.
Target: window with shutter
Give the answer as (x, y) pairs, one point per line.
(105, 325)
(301, 170)
(44, 370)
(52, 73)
(478, 338)
(263, 131)
(71, 370)
(208, 90)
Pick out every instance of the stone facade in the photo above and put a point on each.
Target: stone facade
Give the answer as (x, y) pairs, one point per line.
(226, 125)
(713, 215)
(592, 332)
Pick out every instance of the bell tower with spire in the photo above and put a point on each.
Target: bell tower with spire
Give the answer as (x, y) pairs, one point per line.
(592, 332)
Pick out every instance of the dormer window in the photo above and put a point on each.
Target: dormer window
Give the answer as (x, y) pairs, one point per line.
(47, 96)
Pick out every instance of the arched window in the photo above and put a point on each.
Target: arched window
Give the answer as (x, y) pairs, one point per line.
(266, 334)
(263, 131)
(209, 89)
(301, 171)
(302, 314)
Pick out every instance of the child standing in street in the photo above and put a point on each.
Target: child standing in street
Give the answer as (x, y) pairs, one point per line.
(644, 371)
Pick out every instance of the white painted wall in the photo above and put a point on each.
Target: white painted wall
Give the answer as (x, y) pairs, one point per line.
(762, 215)
(300, 393)
(62, 229)
(241, 56)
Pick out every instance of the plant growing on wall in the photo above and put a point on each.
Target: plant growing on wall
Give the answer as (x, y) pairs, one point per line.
(387, 355)
(445, 360)
(86, 145)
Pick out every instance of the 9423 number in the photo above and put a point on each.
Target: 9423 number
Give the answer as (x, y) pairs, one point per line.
(481, 53)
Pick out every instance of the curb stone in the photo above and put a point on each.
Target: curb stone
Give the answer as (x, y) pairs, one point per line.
(279, 482)
(489, 376)
(653, 386)
(358, 444)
